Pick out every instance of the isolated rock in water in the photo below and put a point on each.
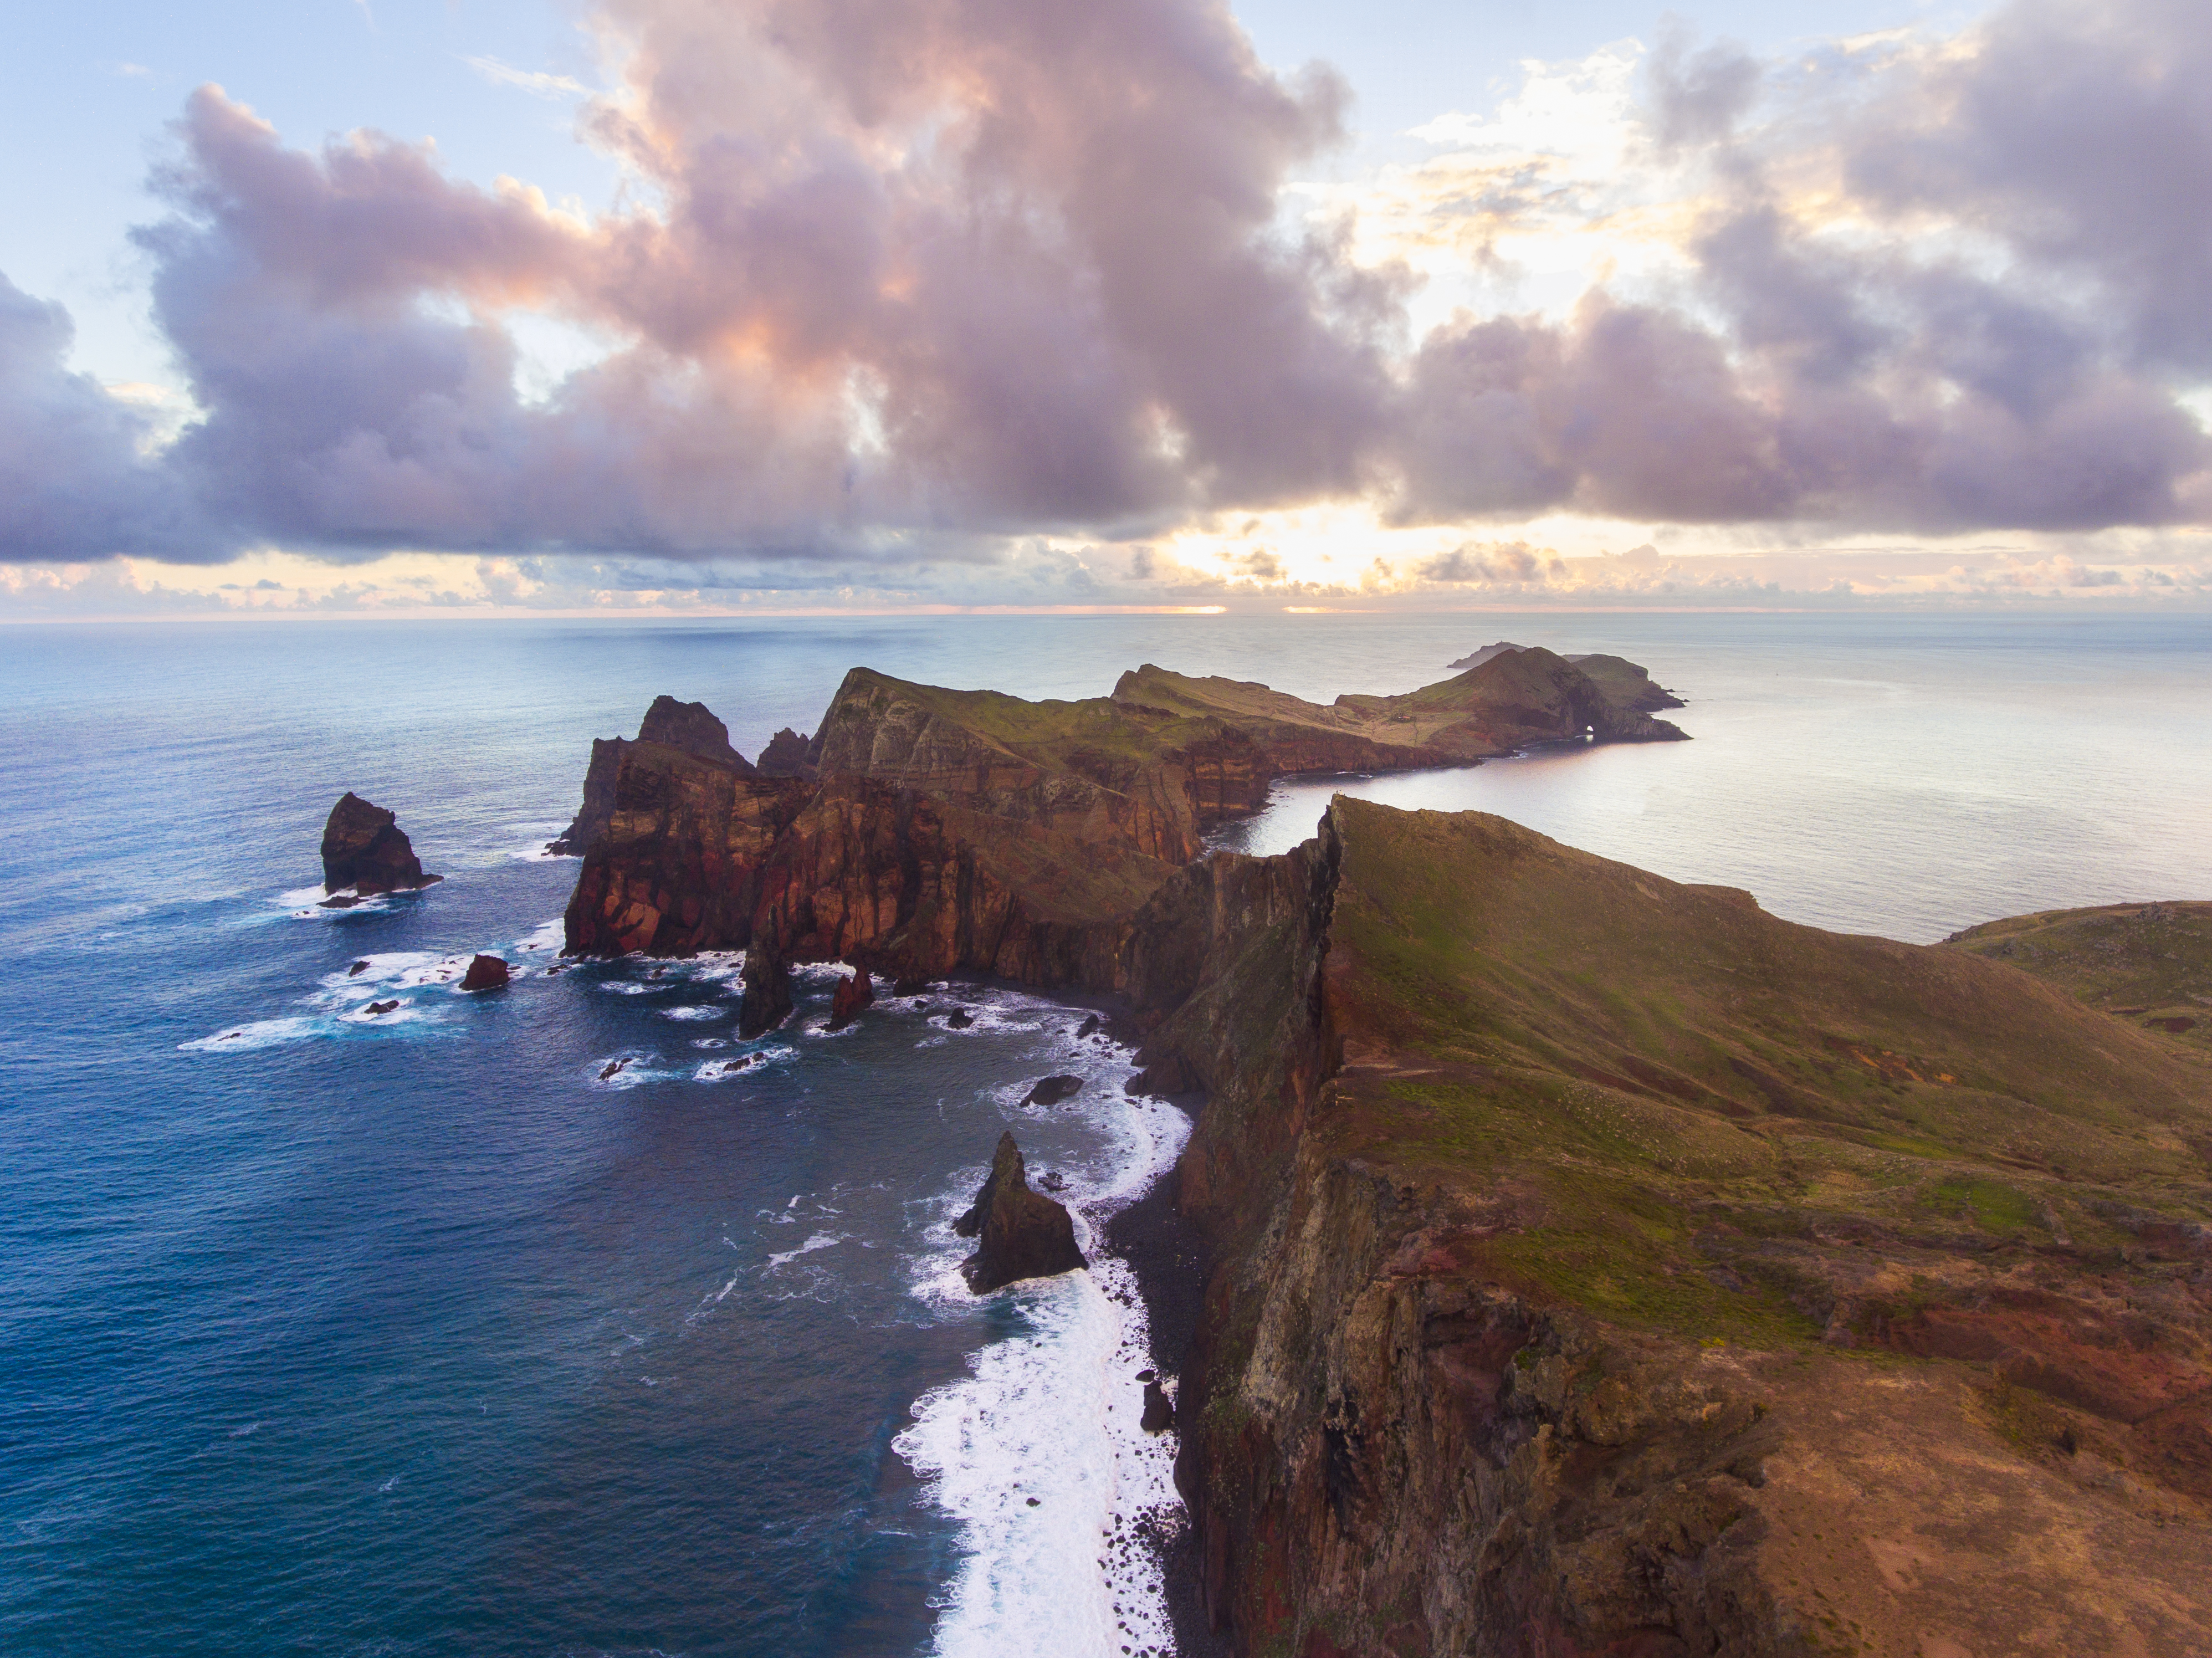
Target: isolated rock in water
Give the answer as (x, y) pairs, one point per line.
(364, 848)
(789, 754)
(767, 1002)
(1021, 1234)
(1159, 1409)
(377, 1009)
(851, 996)
(1088, 1028)
(485, 972)
(1051, 1090)
(960, 1018)
(614, 1069)
(357, 970)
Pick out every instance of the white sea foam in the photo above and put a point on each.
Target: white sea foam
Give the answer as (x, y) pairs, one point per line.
(546, 936)
(629, 1070)
(816, 1240)
(262, 1033)
(1038, 1454)
(533, 848)
(695, 1013)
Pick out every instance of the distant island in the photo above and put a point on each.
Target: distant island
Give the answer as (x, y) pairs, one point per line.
(1600, 1264)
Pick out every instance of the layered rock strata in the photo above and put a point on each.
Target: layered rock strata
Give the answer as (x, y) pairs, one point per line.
(688, 728)
(365, 852)
(1604, 1264)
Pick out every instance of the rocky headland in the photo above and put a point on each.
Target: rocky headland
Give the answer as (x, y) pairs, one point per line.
(686, 728)
(1599, 1264)
(936, 831)
(365, 853)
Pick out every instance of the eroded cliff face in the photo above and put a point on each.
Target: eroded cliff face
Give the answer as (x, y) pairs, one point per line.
(1610, 1267)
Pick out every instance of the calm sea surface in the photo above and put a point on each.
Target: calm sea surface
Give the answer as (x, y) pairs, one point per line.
(411, 1334)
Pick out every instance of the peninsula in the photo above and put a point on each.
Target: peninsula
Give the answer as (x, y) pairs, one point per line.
(1600, 1264)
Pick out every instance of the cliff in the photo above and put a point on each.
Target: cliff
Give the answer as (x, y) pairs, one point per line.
(688, 728)
(1604, 1266)
(1608, 1267)
(927, 831)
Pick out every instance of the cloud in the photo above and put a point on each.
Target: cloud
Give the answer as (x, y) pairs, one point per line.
(903, 285)
(537, 82)
(73, 483)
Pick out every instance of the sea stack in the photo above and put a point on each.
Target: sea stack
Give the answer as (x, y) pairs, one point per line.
(486, 973)
(365, 849)
(1021, 1234)
(851, 996)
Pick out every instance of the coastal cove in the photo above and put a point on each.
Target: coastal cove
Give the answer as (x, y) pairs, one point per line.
(705, 1325)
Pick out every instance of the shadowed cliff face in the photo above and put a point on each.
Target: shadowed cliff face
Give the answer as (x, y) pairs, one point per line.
(1610, 1266)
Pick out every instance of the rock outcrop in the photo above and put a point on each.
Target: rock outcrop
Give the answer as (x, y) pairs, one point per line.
(790, 754)
(486, 973)
(855, 993)
(1019, 1233)
(688, 728)
(365, 852)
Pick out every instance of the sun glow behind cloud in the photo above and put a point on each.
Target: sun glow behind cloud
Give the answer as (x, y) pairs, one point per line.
(1663, 323)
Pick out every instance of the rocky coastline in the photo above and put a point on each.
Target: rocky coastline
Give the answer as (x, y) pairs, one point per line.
(1562, 1254)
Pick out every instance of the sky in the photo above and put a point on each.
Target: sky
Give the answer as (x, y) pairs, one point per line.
(478, 306)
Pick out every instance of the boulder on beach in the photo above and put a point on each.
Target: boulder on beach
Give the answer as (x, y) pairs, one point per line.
(850, 995)
(486, 973)
(365, 849)
(1020, 1233)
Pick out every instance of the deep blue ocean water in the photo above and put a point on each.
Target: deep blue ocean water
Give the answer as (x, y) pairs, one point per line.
(411, 1334)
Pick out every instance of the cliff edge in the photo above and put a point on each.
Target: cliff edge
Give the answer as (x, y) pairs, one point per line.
(1610, 1266)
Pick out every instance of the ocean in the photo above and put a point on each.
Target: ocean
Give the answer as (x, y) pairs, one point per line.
(419, 1334)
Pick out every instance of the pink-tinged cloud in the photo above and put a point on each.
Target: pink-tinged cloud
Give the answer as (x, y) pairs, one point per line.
(923, 273)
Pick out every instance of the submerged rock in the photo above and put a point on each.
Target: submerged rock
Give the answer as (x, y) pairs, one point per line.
(365, 849)
(486, 973)
(852, 995)
(1021, 1234)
